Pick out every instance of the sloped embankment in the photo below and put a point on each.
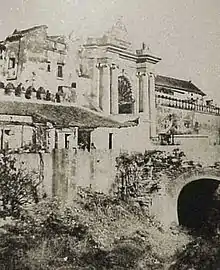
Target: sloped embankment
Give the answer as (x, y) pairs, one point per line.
(94, 231)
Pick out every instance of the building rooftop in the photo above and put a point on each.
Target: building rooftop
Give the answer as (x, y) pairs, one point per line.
(25, 31)
(20, 33)
(173, 83)
(59, 115)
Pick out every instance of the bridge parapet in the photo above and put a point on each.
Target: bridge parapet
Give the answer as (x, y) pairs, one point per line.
(165, 205)
(174, 186)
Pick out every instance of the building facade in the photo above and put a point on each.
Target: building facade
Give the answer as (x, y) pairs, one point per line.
(108, 78)
(37, 62)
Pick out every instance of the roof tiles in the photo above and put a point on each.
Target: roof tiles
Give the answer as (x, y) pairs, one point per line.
(173, 83)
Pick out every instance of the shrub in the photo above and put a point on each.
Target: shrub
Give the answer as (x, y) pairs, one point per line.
(140, 175)
(17, 186)
(95, 231)
(199, 254)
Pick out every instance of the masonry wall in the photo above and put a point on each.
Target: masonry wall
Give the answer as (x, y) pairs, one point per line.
(38, 56)
(33, 53)
(64, 170)
(164, 203)
(190, 122)
(129, 139)
(19, 136)
(32, 163)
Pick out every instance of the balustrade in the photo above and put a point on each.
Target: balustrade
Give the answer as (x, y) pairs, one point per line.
(186, 105)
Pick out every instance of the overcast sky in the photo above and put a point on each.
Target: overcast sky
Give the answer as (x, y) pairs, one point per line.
(185, 34)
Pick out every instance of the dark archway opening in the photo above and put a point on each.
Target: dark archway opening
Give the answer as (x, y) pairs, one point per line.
(199, 207)
(125, 99)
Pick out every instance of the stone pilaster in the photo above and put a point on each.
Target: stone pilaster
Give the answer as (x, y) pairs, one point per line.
(95, 83)
(100, 85)
(152, 103)
(145, 85)
(137, 93)
(142, 94)
(98, 77)
(106, 90)
(113, 89)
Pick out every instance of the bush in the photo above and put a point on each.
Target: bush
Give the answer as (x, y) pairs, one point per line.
(95, 231)
(17, 186)
(139, 175)
(199, 254)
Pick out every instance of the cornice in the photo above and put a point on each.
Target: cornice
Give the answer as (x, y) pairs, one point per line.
(123, 53)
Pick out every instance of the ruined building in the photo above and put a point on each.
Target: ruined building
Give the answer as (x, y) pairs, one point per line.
(101, 93)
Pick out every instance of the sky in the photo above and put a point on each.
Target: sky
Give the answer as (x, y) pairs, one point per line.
(185, 34)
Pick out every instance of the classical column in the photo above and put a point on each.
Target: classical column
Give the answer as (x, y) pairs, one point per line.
(106, 89)
(142, 93)
(145, 85)
(101, 85)
(137, 94)
(95, 83)
(98, 86)
(152, 107)
(113, 89)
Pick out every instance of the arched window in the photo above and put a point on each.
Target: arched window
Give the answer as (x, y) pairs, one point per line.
(125, 99)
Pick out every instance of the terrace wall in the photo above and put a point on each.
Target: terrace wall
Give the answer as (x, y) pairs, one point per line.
(190, 119)
(65, 170)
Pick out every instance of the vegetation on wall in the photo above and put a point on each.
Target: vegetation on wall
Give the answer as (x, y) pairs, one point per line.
(95, 230)
(139, 176)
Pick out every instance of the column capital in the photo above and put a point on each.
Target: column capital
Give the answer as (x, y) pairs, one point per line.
(107, 65)
(151, 75)
(101, 65)
(140, 74)
(113, 66)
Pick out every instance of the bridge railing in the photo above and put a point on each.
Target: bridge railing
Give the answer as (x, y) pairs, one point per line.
(186, 105)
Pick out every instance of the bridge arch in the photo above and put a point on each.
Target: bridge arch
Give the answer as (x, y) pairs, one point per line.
(168, 205)
(196, 203)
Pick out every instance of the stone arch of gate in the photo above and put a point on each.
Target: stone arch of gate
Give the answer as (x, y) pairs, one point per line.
(165, 205)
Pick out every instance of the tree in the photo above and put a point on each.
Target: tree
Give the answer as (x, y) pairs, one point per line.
(17, 186)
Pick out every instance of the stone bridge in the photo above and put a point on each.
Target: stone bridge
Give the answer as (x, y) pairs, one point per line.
(182, 200)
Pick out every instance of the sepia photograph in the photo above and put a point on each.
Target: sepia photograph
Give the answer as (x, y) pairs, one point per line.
(109, 135)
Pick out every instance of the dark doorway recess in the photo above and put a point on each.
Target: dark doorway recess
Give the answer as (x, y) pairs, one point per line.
(199, 206)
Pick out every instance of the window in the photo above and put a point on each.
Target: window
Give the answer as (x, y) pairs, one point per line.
(48, 68)
(1, 54)
(110, 141)
(67, 142)
(84, 139)
(60, 89)
(11, 63)
(73, 85)
(60, 71)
